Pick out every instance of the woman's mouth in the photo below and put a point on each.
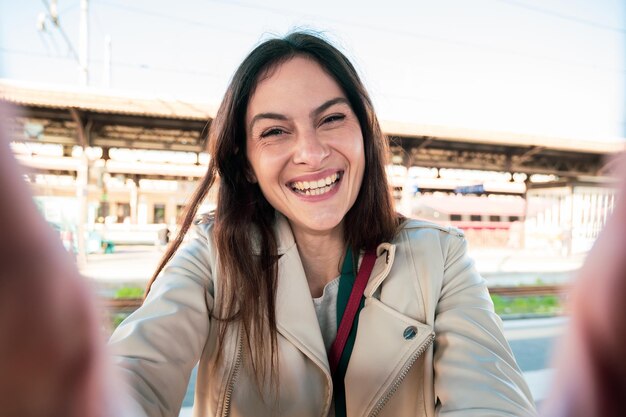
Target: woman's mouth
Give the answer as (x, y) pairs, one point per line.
(319, 187)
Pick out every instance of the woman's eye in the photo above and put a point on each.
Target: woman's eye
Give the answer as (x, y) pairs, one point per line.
(272, 132)
(333, 118)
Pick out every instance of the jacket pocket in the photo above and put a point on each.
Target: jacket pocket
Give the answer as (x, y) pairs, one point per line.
(387, 346)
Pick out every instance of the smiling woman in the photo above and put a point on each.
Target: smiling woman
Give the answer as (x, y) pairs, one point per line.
(308, 157)
(304, 293)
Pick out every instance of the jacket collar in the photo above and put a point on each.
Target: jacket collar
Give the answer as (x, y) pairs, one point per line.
(282, 231)
(295, 314)
(385, 255)
(381, 354)
(284, 236)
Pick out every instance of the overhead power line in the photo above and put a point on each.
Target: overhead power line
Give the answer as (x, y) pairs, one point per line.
(399, 32)
(185, 20)
(114, 63)
(425, 36)
(35, 54)
(54, 18)
(405, 33)
(558, 15)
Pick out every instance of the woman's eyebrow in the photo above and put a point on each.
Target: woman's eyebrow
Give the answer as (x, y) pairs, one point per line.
(316, 112)
(273, 116)
(328, 104)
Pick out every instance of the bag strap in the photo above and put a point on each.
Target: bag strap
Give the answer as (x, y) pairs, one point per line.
(336, 349)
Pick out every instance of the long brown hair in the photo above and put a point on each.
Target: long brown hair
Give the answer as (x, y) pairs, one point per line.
(248, 281)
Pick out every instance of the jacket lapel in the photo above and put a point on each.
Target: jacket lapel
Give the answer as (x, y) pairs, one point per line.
(385, 254)
(381, 352)
(295, 313)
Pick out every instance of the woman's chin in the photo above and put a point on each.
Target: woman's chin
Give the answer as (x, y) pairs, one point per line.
(315, 225)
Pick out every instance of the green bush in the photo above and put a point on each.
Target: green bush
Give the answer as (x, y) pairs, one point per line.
(544, 304)
(129, 292)
(117, 319)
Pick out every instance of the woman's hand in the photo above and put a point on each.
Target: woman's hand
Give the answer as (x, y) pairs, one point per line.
(50, 347)
(591, 378)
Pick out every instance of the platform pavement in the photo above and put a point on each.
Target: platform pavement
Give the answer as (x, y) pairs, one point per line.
(133, 266)
(508, 267)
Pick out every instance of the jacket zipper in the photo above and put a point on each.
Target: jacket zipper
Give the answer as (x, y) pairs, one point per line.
(234, 374)
(405, 371)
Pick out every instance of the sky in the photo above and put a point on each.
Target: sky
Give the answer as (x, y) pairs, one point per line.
(546, 67)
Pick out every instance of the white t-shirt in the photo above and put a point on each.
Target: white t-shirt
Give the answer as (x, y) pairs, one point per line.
(326, 310)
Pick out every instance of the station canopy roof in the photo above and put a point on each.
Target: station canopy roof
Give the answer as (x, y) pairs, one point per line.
(119, 119)
(105, 101)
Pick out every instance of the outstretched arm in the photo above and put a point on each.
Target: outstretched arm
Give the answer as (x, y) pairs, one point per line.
(591, 377)
(475, 371)
(50, 350)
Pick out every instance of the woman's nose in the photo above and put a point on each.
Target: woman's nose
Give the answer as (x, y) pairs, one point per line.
(310, 149)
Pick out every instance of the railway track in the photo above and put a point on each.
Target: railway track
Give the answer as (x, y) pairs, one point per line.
(530, 290)
(128, 305)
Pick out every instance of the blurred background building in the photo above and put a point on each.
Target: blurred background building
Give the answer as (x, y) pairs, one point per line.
(500, 113)
(122, 168)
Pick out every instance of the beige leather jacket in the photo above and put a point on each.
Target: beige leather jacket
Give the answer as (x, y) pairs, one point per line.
(458, 363)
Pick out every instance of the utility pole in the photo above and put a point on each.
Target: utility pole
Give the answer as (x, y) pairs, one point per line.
(84, 42)
(82, 57)
(83, 130)
(106, 71)
(82, 175)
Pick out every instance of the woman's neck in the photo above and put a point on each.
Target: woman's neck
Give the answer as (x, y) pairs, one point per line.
(321, 255)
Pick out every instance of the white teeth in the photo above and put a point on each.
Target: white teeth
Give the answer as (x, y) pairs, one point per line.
(319, 185)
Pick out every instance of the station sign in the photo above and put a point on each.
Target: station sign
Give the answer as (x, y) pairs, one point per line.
(470, 189)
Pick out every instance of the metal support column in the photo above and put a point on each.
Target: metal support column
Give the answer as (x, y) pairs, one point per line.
(82, 182)
(134, 199)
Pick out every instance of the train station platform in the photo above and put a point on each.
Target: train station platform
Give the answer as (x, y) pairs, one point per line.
(133, 266)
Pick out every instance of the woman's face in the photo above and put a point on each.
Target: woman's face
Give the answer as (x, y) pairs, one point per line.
(305, 146)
